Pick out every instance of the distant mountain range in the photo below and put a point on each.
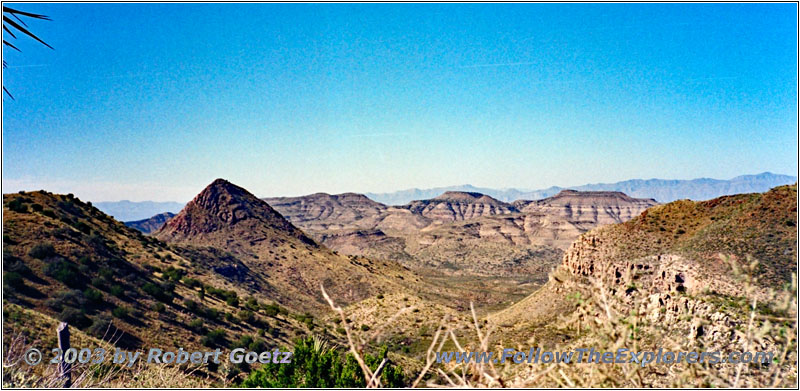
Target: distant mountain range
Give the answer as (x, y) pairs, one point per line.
(662, 190)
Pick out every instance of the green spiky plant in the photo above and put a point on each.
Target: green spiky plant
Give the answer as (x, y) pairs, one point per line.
(13, 22)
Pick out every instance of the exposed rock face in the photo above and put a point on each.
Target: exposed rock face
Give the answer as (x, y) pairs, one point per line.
(323, 211)
(151, 224)
(459, 229)
(683, 248)
(458, 206)
(598, 207)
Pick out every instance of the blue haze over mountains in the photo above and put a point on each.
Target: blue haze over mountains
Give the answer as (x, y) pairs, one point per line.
(662, 190)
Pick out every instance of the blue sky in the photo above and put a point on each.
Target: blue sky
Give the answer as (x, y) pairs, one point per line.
(154, 101)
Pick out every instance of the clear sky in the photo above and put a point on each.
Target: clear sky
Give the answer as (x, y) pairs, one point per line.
(154, 101)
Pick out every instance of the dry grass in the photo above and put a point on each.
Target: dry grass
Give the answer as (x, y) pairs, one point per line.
(607, 321)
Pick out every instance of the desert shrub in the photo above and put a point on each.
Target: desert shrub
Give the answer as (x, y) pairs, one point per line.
(173, 274)
(364, 327)
(251, 304)
(191, 306)
(97, 242)
(42, 251)
(158, 307)
(71, 298)
(212, 313)
(49, 213)
(74, 317)
(13, 281)
(159, 292)
(14, 264)
(117, 290)
(106, 274)
(93, 296)
(232, 301)
(83, 227)
(36, 207)
(17, 205)
(101, 327)
(314, 364)
(120, 312)
(64, 271)
(272, 310)
(196, 324)
(246, 316)
(214, 338)
(191, 282)
(257, 345)
(243, 342)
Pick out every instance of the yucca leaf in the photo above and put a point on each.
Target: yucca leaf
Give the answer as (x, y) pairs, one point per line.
(12, 46)
(23, 13)
(23, 30)
(9, 31)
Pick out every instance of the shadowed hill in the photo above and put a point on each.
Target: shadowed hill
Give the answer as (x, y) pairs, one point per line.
(151, 224)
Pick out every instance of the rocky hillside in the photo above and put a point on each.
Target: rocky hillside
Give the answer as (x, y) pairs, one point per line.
(460, 233)
(151, 224)
(459, 206)
(594, 207)
(228, 218)
(323, 211)
(680, 255)
(66, 259)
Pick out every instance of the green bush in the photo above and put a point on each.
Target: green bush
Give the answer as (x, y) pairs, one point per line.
(196, 324)
(173, 274)
(117, 290)
(214, 338)
(13, 281)
(272, 310)
(232, 301)
(42, 251)
(71, 298)
(212, 313)
(49, 213)
(74, 317)
(102, 327)
(246, 316)
(158, 307)
(36, 207)
(14, 264)
(251, 304)
(64, 271)
(17, 205)
(191, 306)
(83, 227)
(93, 296)
(191, 282)
(106, 274)
(315, 365)
(120, 312)
(159, 292)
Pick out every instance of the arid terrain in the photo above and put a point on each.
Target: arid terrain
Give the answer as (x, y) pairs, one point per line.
(234, 270)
